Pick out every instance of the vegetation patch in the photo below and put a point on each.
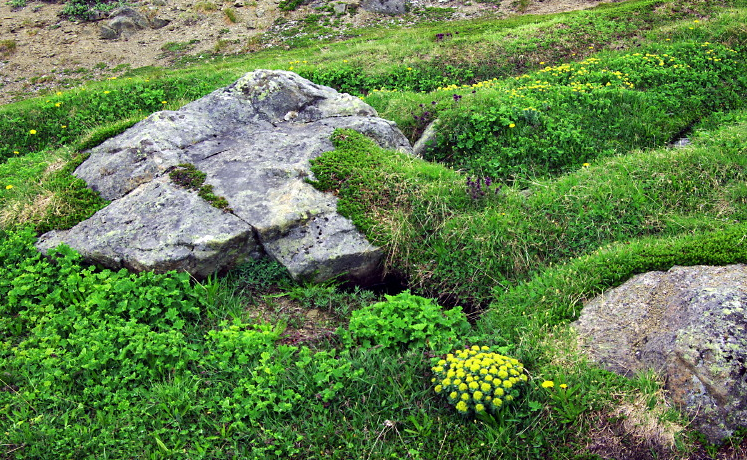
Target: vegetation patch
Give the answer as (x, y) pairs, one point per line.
(188, 176)
(85, 10)
(7, 48)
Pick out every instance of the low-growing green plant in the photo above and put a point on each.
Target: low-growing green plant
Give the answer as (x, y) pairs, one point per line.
(188, 176)
(408, 320)
(478, 381)
(88, 9)
(230, 14)
(555, 120)
(290, 5)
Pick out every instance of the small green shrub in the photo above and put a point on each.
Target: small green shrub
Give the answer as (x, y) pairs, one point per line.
(88, 9)
(408, 320)
(478, 381)
(290, 5)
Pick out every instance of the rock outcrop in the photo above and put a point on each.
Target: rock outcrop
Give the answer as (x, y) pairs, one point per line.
(253, 140)
(688, 324)
(390, 7)
(125, 22)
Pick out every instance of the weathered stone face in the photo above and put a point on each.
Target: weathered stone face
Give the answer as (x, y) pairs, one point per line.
(391, 7)
(688, 324)
(254, 140)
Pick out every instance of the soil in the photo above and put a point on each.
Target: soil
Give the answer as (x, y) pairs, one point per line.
(41, 50)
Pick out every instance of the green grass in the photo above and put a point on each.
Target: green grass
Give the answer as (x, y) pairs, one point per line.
(110, 364)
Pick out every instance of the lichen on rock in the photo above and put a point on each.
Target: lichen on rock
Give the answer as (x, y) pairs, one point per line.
(688, 324)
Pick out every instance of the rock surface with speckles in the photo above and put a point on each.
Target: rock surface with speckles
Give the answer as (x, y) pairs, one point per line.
(688, 324)
(253, 140)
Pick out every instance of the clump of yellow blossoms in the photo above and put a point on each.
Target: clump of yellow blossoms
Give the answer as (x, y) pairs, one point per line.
(478, 380)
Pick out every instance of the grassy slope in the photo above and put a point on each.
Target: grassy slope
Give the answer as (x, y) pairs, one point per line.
(152, 370)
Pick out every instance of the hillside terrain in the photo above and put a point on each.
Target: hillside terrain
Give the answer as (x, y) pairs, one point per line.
(49, 51)
(553, 176)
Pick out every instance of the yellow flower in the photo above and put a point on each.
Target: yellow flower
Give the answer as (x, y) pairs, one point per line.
(563, 386)
(163, 102)
(107, 92)
(474, 385)
(16, 152)
(462, 387)
(32, 131)
(462, 406)
(8, 187)
(477, 395)
(512, 125)
(59, 93)
(479, 408)
(507, 384)
(439, 388)
(499, 392)
(63, 126)
(446, 382)
(57, 104)
(453, 395)
(548, 384)
(485, 387)
(465, 396)
(497, 402)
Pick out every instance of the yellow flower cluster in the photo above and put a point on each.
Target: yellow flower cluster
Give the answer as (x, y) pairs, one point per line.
(478, 380)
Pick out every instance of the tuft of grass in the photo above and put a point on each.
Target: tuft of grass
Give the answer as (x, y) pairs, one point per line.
(230, 15)
(7, 48)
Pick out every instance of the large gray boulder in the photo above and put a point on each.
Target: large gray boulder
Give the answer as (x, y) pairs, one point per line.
(690, 325)
(253, 140)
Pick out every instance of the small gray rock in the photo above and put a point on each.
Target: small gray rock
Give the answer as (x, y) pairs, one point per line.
(390, 7)
(157, 23)
(107, 33)
(427, 139)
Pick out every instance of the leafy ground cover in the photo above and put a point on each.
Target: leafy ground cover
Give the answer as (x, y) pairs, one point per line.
(110, 364)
